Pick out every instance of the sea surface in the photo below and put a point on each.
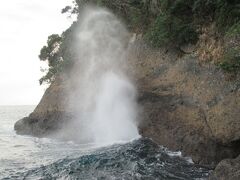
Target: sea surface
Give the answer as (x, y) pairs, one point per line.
(25, 157)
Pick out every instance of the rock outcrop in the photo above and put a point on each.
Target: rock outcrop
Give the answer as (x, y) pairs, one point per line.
(186, 105)
(227, 169)
(50, 115)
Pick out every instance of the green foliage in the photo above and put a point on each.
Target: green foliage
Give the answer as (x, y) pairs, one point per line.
(74, 8)
(224, 12)
(178, 20)
(183, 16)
(182, 8)
(204, 10)
(48, 77)
(51, 54)
(168, 30)
(231, 61)
(227, 13)
(99, 2)
(234, 30)
(66, 9)
(159, 35)
(174, 25)
(136, 18)
(171, 23)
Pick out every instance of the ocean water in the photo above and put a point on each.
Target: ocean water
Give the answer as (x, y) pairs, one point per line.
(25, 157)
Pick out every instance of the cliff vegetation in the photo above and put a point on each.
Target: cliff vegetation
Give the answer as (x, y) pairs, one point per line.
(212, 25)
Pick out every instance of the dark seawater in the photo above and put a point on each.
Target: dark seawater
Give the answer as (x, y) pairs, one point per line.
(25, 157)
(140, 159)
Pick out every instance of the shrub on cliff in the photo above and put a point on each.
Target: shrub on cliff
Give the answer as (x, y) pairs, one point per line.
(60, 53)
(167, 30)
(231, 59)
(174, 25)
(227, 13)
(51, 54)
(179, 20)
(162, 22)
(234, 30)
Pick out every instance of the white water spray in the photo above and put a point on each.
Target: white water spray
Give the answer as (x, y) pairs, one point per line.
(102, 97)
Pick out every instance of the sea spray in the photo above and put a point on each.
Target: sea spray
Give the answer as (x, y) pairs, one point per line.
(102, 97)
(113, 119)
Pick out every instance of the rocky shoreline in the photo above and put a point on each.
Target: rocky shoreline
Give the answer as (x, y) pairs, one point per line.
(186, 107)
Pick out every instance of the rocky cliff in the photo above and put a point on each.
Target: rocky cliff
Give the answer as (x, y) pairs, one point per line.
(187, 105)
(49, 115)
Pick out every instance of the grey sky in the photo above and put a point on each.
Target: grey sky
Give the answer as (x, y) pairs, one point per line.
(25, 26)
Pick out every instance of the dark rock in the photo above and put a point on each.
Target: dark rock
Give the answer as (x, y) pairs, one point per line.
(228, 169)
(174, 122)
(41, 126)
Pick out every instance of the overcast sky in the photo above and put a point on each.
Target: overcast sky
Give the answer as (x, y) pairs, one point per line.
(25, 26)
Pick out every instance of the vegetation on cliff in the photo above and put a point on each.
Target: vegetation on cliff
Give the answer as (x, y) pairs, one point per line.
(231, 58)
(58, 53)
(163, 23)
(50, 53)
(172, 23)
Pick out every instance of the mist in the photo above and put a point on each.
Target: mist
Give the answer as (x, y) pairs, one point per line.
(101, 96)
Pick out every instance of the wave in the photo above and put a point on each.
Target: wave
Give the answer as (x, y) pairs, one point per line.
(139, 159)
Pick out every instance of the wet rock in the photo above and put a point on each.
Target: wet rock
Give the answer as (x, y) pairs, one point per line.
(228, 169)
(42, 126)
(188, 107)
(49, 115)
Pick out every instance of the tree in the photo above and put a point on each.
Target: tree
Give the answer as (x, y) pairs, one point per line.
(51, 54)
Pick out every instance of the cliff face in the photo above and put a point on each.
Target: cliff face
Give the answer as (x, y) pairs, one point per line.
(227, 169)
(50, 114)
(187, 105)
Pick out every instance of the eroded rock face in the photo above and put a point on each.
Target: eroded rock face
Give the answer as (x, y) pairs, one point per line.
(41, 126)
(188, 106)
(50, 115)
(227, 169)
